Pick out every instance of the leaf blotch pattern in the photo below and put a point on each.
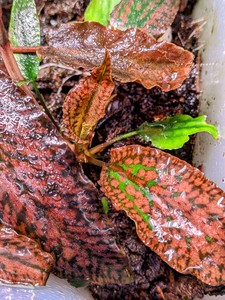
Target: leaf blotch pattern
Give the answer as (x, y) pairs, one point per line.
(155, 16)
(22, 260)
(45, 195)
(178, 213)
(85, 104)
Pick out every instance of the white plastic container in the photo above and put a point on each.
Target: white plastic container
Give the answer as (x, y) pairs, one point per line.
(209, 153)
(56, 289)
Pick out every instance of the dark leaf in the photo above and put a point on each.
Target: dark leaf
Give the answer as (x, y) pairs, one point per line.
(45, 195)
(135, 55)
(178, 213)
(24, 30)
(155, 16)
(22, 260)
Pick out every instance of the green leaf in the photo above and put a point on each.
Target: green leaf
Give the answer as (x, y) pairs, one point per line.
(105, 205)
(24, 30)
(99, 11)
(173, 132)
(155, 16)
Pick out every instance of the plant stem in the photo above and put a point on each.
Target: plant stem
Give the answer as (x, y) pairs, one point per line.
(24, 49)
(43, 103)
(91, 160)
(101, 147)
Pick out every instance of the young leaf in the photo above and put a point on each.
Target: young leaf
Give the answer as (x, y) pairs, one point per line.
(24, 30)
(85, 104)
(105, 205)
(139, 59)
(99, 11)
(22, 260)
(173, 132)
(45, 195)
(178, 213)
(155, 16)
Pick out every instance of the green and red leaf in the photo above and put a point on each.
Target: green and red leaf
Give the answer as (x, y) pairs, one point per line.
(22, 260)
(85, 104)
(178, 213)
(141, 58)
(155, 16)
(45, 195)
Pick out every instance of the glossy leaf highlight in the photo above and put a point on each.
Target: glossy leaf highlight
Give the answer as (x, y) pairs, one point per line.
(99, 11)
(173, 132)
(24, 30)
(155, 16)
(135, 55)
(85, 104)
(178, 213)
(22, 260)
(45, 195)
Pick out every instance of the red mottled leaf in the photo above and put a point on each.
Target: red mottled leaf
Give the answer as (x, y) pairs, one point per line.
(85, 104)
(155, 16)
(178, 213)
(45, 195)
(22, 260)
(135, 55)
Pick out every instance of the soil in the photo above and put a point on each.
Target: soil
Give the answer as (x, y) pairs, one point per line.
(133, 105)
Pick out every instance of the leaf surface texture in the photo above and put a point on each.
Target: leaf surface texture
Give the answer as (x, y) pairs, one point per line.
(45, 195)
(22, 260)
(154, 16)
(178, 213)
(85, 104)
(135, 55)
(24, 30)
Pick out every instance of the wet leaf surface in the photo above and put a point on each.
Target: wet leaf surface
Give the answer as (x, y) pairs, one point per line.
(22, 260)
(24, 30)
(85, 104)
(155, 16)
(178, 213)
(45, 195)
(135, 55)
